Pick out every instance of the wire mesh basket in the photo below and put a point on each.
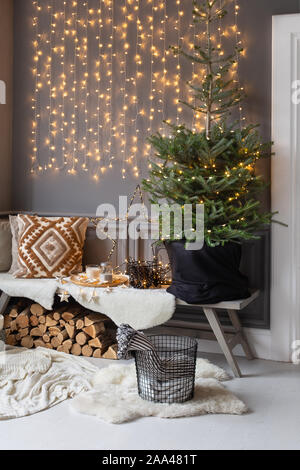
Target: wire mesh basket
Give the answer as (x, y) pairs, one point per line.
(173, 381)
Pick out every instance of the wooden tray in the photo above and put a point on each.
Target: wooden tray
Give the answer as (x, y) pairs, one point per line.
(81, 281)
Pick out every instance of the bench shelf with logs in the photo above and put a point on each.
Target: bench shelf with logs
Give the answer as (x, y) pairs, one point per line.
(69, 328)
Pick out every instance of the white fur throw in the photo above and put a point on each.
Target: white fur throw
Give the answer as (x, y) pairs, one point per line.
(115, 399)
(34, 380)
(41, 291)
(141, 309)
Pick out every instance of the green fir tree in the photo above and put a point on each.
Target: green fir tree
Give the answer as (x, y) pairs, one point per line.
(216, 166)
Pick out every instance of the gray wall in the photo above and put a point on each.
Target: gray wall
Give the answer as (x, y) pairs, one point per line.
(6, 74)
(65, 194)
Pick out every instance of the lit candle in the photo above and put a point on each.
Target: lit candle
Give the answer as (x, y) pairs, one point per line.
(93, 272)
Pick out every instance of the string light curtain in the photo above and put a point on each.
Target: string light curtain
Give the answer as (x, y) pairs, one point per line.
(105, 79)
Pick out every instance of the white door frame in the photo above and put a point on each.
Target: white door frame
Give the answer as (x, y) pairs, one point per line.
(285, 285)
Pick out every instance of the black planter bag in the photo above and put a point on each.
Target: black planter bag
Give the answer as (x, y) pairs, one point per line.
(207, 276)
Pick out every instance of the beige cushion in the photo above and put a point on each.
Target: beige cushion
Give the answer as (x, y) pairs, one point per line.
(5, 246)
(50, 247)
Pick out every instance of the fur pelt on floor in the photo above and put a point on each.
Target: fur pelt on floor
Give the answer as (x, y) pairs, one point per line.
(114, 397)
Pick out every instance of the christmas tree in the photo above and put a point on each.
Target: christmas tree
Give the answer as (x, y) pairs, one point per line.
(216, 166)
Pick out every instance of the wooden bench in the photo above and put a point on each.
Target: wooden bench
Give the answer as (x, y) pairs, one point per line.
(227, 337)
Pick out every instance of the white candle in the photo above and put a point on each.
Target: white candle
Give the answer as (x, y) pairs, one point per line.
(93, 272)
(1, 322)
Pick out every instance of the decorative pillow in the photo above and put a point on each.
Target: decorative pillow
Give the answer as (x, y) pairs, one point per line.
(50, 247)
(5, 246)
(14, 227)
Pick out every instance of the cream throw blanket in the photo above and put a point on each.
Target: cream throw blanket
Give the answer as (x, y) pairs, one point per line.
(35, 380)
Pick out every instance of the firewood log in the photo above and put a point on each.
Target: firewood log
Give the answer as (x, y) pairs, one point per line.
(62, 323)
(37, 310)
(94, 330)
(56, 316)
(14, 312)
(55, 342)
(11, 340)
(18, 337)
(7, 321)
(111, 353)
(48, 346)
(27, 342)
(87, 351)
(70, 330)
(71, 313)
(39, 331)
(101, 342)
(13, 326)
(80, 324)
(42, 320)
(62, 336)
(81, 338)
(43, 328)
(68, 345)
(92, 318)
(76, 350)
(53, 331)
(24, 332)
(50, 321)
(97, 353)
(22, 319)
(46, 338)
(34, 321)
(16, 309)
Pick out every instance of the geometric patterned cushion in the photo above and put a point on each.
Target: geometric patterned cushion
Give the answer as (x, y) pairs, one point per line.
(50, 247)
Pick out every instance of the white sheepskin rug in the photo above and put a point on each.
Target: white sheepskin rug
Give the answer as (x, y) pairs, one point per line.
(115, 399)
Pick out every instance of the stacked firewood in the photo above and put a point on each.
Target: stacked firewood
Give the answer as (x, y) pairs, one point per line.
(70, 329)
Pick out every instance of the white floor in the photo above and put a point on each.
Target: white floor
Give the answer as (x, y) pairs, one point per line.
(270, 390)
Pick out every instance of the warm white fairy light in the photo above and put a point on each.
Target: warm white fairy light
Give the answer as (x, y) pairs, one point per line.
(64, 93)
(123, 114)
(163, 37)
(89, 111)
(239, 46)
(100, 96)
(85, 144)
(82, 134)
(177, 75)
(73, 71)
(34, 157)
(109, 104)
(151, 92)
(136, 81)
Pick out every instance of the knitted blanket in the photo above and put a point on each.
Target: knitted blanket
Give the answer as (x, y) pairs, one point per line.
(35, 380)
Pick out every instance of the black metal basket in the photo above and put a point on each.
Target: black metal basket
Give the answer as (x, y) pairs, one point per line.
(176, 384)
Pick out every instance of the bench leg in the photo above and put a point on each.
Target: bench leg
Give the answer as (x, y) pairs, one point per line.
(4, 301)
(216, 326)
(239, 329)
